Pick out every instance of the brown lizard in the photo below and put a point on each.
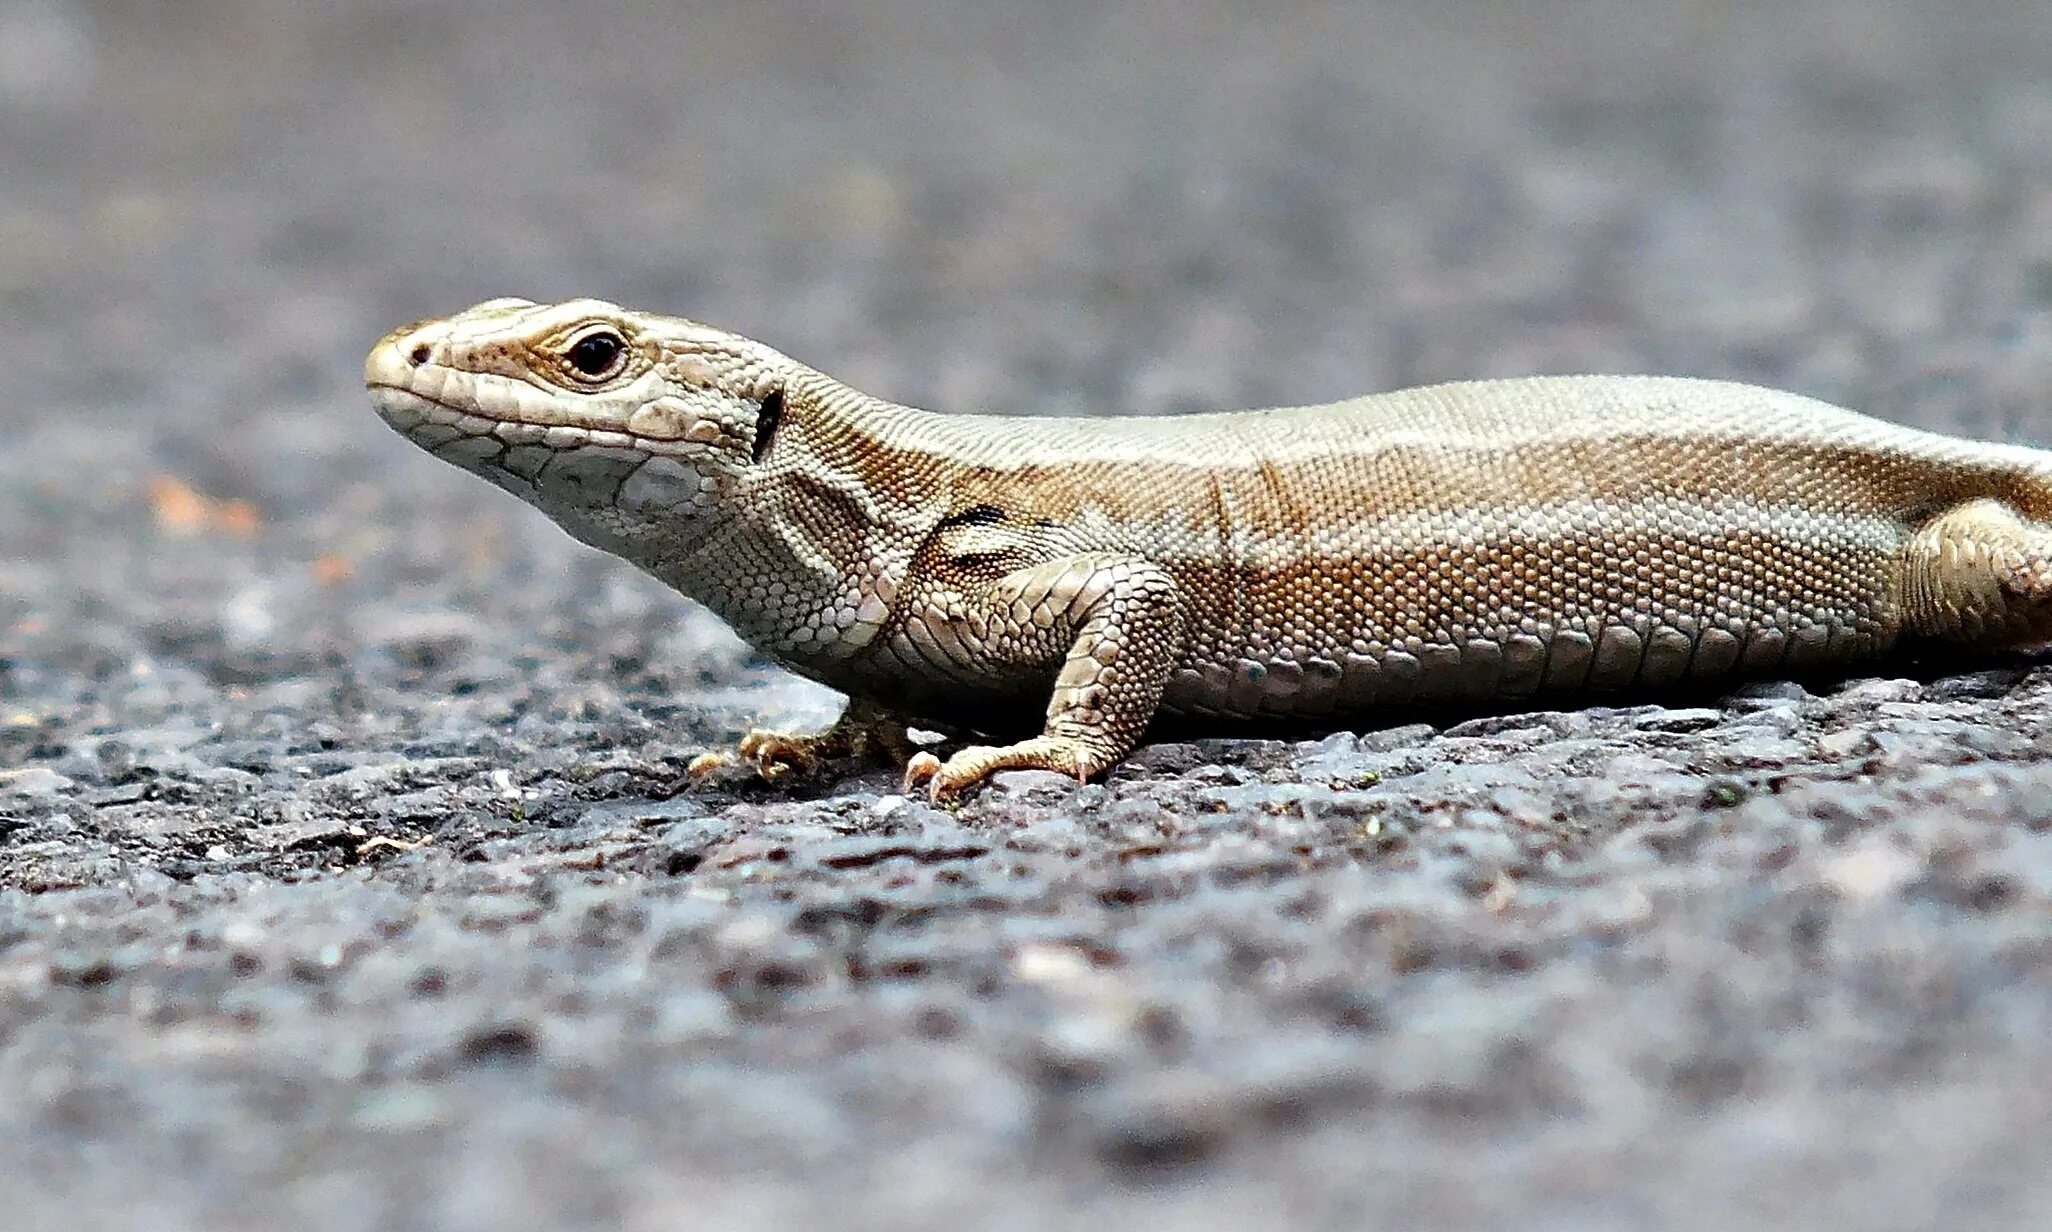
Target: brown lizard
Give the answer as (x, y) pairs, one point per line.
(1463, 544)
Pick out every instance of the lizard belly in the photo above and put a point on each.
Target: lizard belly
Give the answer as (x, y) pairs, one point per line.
(952, 703)
(1432, 608)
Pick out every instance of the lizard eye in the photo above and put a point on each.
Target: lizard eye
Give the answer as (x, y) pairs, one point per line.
(597, 355)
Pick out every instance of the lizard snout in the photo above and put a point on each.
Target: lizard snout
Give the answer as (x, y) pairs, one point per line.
(393, 360)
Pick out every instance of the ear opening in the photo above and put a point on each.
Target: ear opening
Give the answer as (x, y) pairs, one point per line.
(767, 421)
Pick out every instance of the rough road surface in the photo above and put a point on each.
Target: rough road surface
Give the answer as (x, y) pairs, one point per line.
(346, 878)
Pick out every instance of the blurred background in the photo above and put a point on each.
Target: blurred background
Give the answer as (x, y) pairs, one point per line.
(213, 557)
(209, 208)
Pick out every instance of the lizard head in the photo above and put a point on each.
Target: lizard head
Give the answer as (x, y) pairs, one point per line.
(627, 428)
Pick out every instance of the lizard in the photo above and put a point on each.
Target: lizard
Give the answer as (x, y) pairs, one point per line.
(1062, 582)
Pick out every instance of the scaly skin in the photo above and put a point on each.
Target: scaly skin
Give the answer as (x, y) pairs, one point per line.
(1473, 543)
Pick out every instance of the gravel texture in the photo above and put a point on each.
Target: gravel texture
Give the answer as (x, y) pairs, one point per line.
(346, 876)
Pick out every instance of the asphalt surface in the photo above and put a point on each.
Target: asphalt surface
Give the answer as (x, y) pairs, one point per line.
(346, 876)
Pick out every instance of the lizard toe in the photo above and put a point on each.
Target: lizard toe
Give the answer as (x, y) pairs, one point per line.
(920, 768)
(706, 765)
(776, 754)
(972, 765)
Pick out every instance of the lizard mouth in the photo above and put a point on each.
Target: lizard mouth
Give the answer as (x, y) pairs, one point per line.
(409, 410)
(415, 398)
(433, 422)
(402, 400)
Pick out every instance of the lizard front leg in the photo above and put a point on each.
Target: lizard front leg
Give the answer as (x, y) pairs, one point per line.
(864, 730)
(1119, 625)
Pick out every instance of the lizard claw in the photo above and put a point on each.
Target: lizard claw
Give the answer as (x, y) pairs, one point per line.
(770, 755)
(921, 768)
(706, 765)
(863, 732)
(775, 754)
(946, 781)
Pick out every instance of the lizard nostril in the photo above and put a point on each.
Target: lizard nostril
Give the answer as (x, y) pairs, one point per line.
(419, 355)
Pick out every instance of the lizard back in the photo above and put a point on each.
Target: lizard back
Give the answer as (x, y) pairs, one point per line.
(1489, 539)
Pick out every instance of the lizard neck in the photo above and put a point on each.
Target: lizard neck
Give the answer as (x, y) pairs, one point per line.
(806, 551)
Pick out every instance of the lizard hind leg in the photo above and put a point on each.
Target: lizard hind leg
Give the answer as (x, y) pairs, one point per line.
(1980, 575)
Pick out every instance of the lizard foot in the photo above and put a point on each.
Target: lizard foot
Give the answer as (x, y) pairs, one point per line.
(861, 733)
(769, 754)
(774, 754)
(947, 780)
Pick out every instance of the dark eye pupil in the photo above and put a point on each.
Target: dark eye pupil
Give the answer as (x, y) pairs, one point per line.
(594, 356)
